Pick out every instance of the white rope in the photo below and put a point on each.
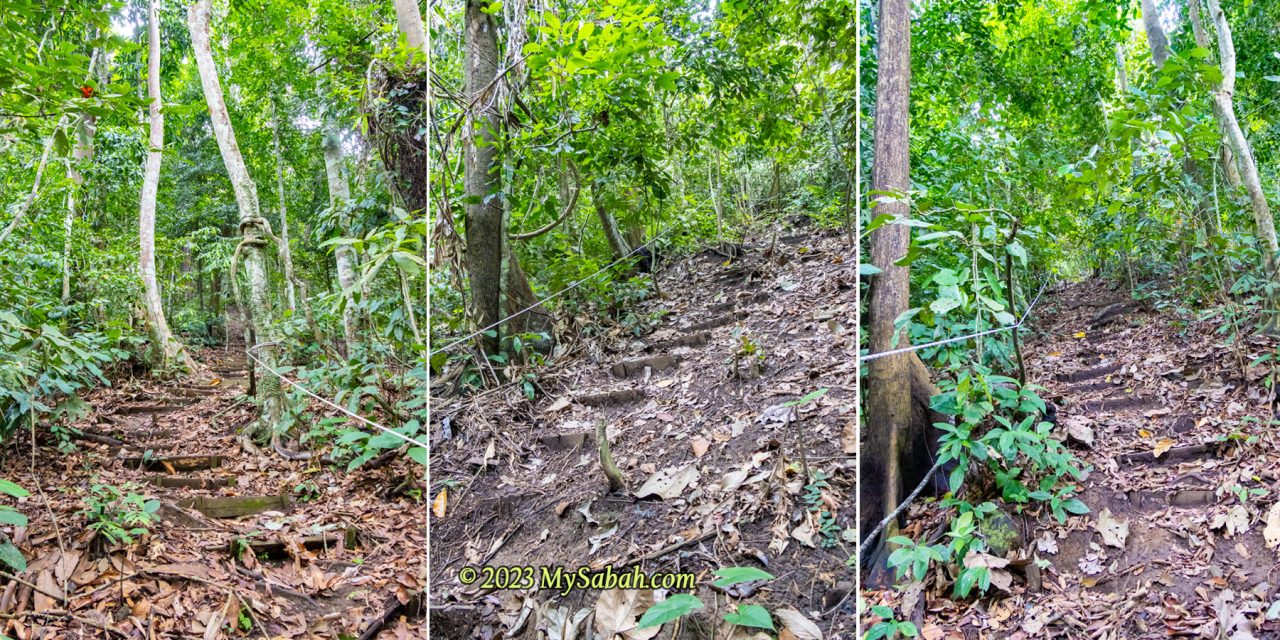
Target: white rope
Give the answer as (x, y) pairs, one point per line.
(307, 391)
(1016, 325)
(552, 296)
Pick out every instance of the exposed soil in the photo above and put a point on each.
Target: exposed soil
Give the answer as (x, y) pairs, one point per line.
(274, 548)
(1179, 437)
(525, 485)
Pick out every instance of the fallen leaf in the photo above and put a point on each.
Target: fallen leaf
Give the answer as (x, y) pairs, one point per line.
(1047, 543)
(618, 611)
(596, 541)
(1079, 334)
(800, 627)
(1272, 533)
(668, 483)
(1114, 531)
(700, 446)
(438, 505)
(1236, 520)
(1078, 429)
(562, 403)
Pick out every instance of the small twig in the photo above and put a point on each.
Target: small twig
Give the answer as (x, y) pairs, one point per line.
(866, 544)
(62, 599)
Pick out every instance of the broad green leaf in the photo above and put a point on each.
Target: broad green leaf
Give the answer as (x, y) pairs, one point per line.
(751, 615)
(673, 607)
(736, 575)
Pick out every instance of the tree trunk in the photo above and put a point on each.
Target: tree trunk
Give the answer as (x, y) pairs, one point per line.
(1156, 38)
(888, 413)
(486, 238)
(1225, 110)
(254, 230)
(409, 20)
(167, 351)
(617, 243)
(1225, 157)
(344, 254)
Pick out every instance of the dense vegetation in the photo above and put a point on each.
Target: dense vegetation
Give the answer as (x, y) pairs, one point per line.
(618, 132)
(1048, 141)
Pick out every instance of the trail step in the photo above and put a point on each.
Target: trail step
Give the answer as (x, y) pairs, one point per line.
(183, 482)
(197, 392)
(137, 409)
(1112, 312)
(1088, 387)
(142, 448)
(1180, 498)
(236, 506)
(628, 368)
(688, 340)
(1088, 374)
(610, 398)
(1176, 453)
(718, 321)
(1123, 403)
(279, 549)
(728, 305)
(177, 463)
(566, 441)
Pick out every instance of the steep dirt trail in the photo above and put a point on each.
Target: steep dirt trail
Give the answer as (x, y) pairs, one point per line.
(527, 488)
(1183, 477)
(298, 549)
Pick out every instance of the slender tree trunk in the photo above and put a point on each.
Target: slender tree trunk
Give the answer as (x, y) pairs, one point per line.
(1156, 38)
(344, 255)
(254, 229)
(286, 257)
(35, 185)
(486, 237)
(167, 351)
(1225, 157)
(1226, 112)
(888, 412)
(409, 20)
(617, 243)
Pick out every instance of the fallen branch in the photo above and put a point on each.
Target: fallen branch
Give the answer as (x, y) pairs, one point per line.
(924, 482)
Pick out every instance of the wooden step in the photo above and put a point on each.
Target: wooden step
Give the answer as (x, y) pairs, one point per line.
(719, 321)
(628, 368)
(172, 463)
(236, 506)
(184, 482)
(137, 409)
(279, 549)
(610, 398)
(1089, 374)
(697, 339)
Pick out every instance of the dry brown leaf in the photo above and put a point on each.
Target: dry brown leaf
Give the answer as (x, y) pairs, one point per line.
(441, 502)
(668, 483)
(1162, 447)
(700, 446)
(798, 625)
(1272, 533)
(1115, 532)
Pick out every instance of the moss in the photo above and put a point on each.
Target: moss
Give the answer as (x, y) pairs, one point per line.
(1001, 533)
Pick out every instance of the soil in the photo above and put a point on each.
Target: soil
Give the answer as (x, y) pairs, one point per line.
(333, 552)
(1181, 473)
(525, 486)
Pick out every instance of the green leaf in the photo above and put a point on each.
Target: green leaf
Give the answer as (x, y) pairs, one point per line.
(9, 516)
(868, 269)
(667, 81)
(751, 615)
(13, 557)
(673, 607)
(1075, 506)
(418, 455)
(736, 575)
(13, 489)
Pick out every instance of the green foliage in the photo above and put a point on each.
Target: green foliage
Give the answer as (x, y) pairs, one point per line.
(889, 627)
(118, 514)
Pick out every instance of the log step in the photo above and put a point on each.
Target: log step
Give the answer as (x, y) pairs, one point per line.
(1119, 404)
(141, 448)
(610, 398)
(1177, 453)
(236, 506)
(566, 441)
(689, 340)
(172, 463)
(728, 305)
(718, 321)
(628, 368)
(1088, 374)
(139, 409)
(183, 482)
(279, 549)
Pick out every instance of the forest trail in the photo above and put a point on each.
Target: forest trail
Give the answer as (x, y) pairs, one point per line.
(1181, 483)
(696, 416)
(266, 546)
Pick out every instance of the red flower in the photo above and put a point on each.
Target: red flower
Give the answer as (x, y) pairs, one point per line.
(86, 91)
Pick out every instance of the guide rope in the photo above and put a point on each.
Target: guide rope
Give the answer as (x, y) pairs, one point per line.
(307, 391)
(916, 347)
(553, 296)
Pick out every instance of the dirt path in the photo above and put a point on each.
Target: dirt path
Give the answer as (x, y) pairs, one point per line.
(1183, 478)
(723, 455)
(255, 542)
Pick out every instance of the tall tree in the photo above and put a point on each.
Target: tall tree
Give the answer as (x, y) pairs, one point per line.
(409, 20)
(1156, 37)
(888, 417)
(1225, 157)
(344, 255)
(1225, 110)
(255, 231)
(486, 235)
(167, 351)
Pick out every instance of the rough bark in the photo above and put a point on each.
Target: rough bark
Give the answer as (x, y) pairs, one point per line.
(888, 406)
(254, 230)
(1225, 110)
(167, 351)
(617, 243)
(1156, 38)
(486, 237)
(344, 254)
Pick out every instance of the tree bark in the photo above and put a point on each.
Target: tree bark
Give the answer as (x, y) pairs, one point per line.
(167, 351)
(35, 185)
(1225, 157)
(1156, 38)
(254, 230)
(888, 408)
(344, 254)
(617, 243)
(409, 20)
(1225, 110)
(486, 237)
